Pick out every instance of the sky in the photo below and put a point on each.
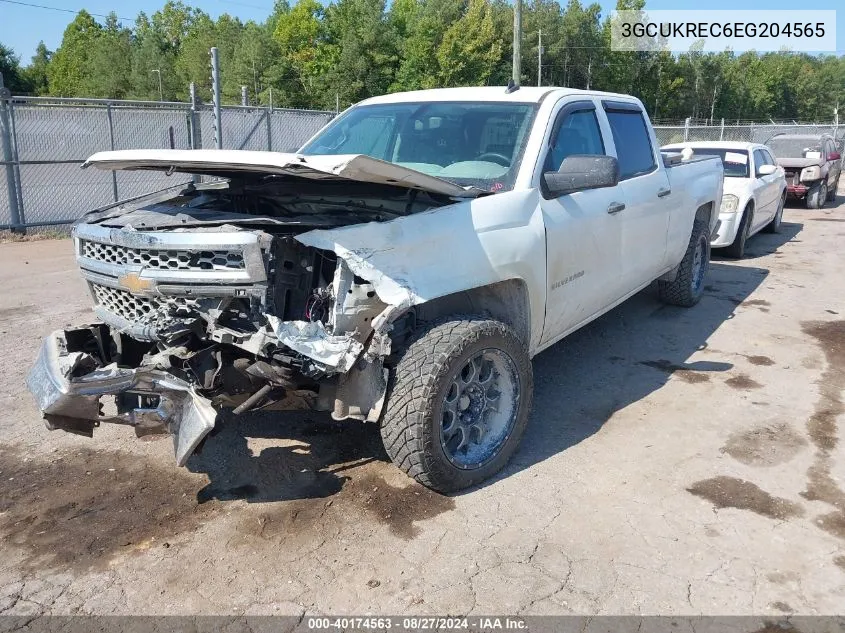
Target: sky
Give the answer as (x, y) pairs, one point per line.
(21, 27)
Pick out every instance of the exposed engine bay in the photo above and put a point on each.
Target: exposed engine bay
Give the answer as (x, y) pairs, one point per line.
(207, 300)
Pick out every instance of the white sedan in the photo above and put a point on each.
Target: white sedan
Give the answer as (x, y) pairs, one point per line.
(754, 191)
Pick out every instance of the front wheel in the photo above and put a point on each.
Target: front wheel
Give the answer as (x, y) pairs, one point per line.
(775, 225)
(736, 250)
(816, 196)
(831, 192)
(458, 402)
(688, 286)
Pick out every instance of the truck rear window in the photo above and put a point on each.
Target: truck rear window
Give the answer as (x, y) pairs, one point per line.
(633, 145)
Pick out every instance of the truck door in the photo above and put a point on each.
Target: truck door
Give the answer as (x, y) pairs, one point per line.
(582, 228)
(649, 200)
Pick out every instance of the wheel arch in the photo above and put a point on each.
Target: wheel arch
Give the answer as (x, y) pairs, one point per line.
(705, 212)
(506, 301)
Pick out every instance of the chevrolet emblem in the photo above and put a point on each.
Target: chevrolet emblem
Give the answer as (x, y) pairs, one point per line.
(133, 283)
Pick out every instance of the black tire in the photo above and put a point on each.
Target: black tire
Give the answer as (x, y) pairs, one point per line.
(683, 291)
(831, 193)
(411, 428)
(737, 248)
(816, 196)
(775, 225)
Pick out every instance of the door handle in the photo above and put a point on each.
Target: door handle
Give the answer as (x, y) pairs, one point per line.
(615, 207)
(663, 192)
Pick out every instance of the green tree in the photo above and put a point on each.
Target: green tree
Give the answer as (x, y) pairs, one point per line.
(470, 48)
(253, 61)
(109, 65)
(365, 51)
(13, 78)
(426, 26)
(36, 74)
(69, 68)
(303, 37)
(193, 62)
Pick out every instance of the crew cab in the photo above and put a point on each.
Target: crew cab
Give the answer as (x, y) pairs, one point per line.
(754, 191)
(402, 267)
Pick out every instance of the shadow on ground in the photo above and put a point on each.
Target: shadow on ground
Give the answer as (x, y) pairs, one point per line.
(764, 244)
(624, 356)
(307, 456)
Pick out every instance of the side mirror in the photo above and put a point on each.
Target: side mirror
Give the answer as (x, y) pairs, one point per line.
(766, 170)
(834, 156)
(580, 172)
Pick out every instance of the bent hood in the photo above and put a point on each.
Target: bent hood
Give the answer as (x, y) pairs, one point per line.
(222, 162)
(799, 162)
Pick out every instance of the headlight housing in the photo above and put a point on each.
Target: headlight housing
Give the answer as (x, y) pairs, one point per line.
(729, 203)
(811, 173)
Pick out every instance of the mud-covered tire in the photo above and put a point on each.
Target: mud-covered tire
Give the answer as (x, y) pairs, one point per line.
(736, 250)
(816, 196)
(688, 286)
(831, 192)
(775, 225)
(413, 422)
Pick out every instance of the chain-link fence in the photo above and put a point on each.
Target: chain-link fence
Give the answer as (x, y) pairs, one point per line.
(746, 132)
(43, 142)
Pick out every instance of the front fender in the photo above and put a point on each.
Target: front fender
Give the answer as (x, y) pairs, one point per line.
(425, 256)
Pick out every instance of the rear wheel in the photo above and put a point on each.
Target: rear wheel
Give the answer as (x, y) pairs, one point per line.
(737, 248)
(775, 224)
(688, 286)
(458, 403)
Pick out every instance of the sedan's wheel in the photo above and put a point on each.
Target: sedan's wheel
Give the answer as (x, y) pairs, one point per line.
(737, 248)
(775, 225)
(458, 402)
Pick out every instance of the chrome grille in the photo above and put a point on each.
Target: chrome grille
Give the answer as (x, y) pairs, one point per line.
(163, 259)
(134, 308)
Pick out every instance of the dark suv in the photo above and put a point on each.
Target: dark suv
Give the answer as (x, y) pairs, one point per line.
(812, 164)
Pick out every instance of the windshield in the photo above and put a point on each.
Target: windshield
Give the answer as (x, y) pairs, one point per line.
(735, 162)
(469, 144)
(800, 147)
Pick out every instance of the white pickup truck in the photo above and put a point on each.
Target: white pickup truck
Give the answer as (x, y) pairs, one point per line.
(402, 268)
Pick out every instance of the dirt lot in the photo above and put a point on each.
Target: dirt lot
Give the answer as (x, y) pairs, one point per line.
(676, 462)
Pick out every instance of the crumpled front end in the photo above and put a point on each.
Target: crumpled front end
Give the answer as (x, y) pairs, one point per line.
(195, 321)
(69, 379)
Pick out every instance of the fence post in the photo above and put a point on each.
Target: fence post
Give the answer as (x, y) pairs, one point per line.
(194, 119)
(6, 142)
(111, 143)
(244, 96)
(270, 122)
(215, 95)
(722, 130)
(686, 129)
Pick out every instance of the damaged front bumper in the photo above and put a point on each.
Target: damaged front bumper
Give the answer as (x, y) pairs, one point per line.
(68, 383)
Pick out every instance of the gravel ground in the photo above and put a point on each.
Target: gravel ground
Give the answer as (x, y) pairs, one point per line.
(676, 462)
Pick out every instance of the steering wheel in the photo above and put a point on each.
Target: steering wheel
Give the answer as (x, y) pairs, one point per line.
(493, 157)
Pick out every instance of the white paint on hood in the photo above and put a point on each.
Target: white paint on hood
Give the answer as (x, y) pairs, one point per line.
(325, 167)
